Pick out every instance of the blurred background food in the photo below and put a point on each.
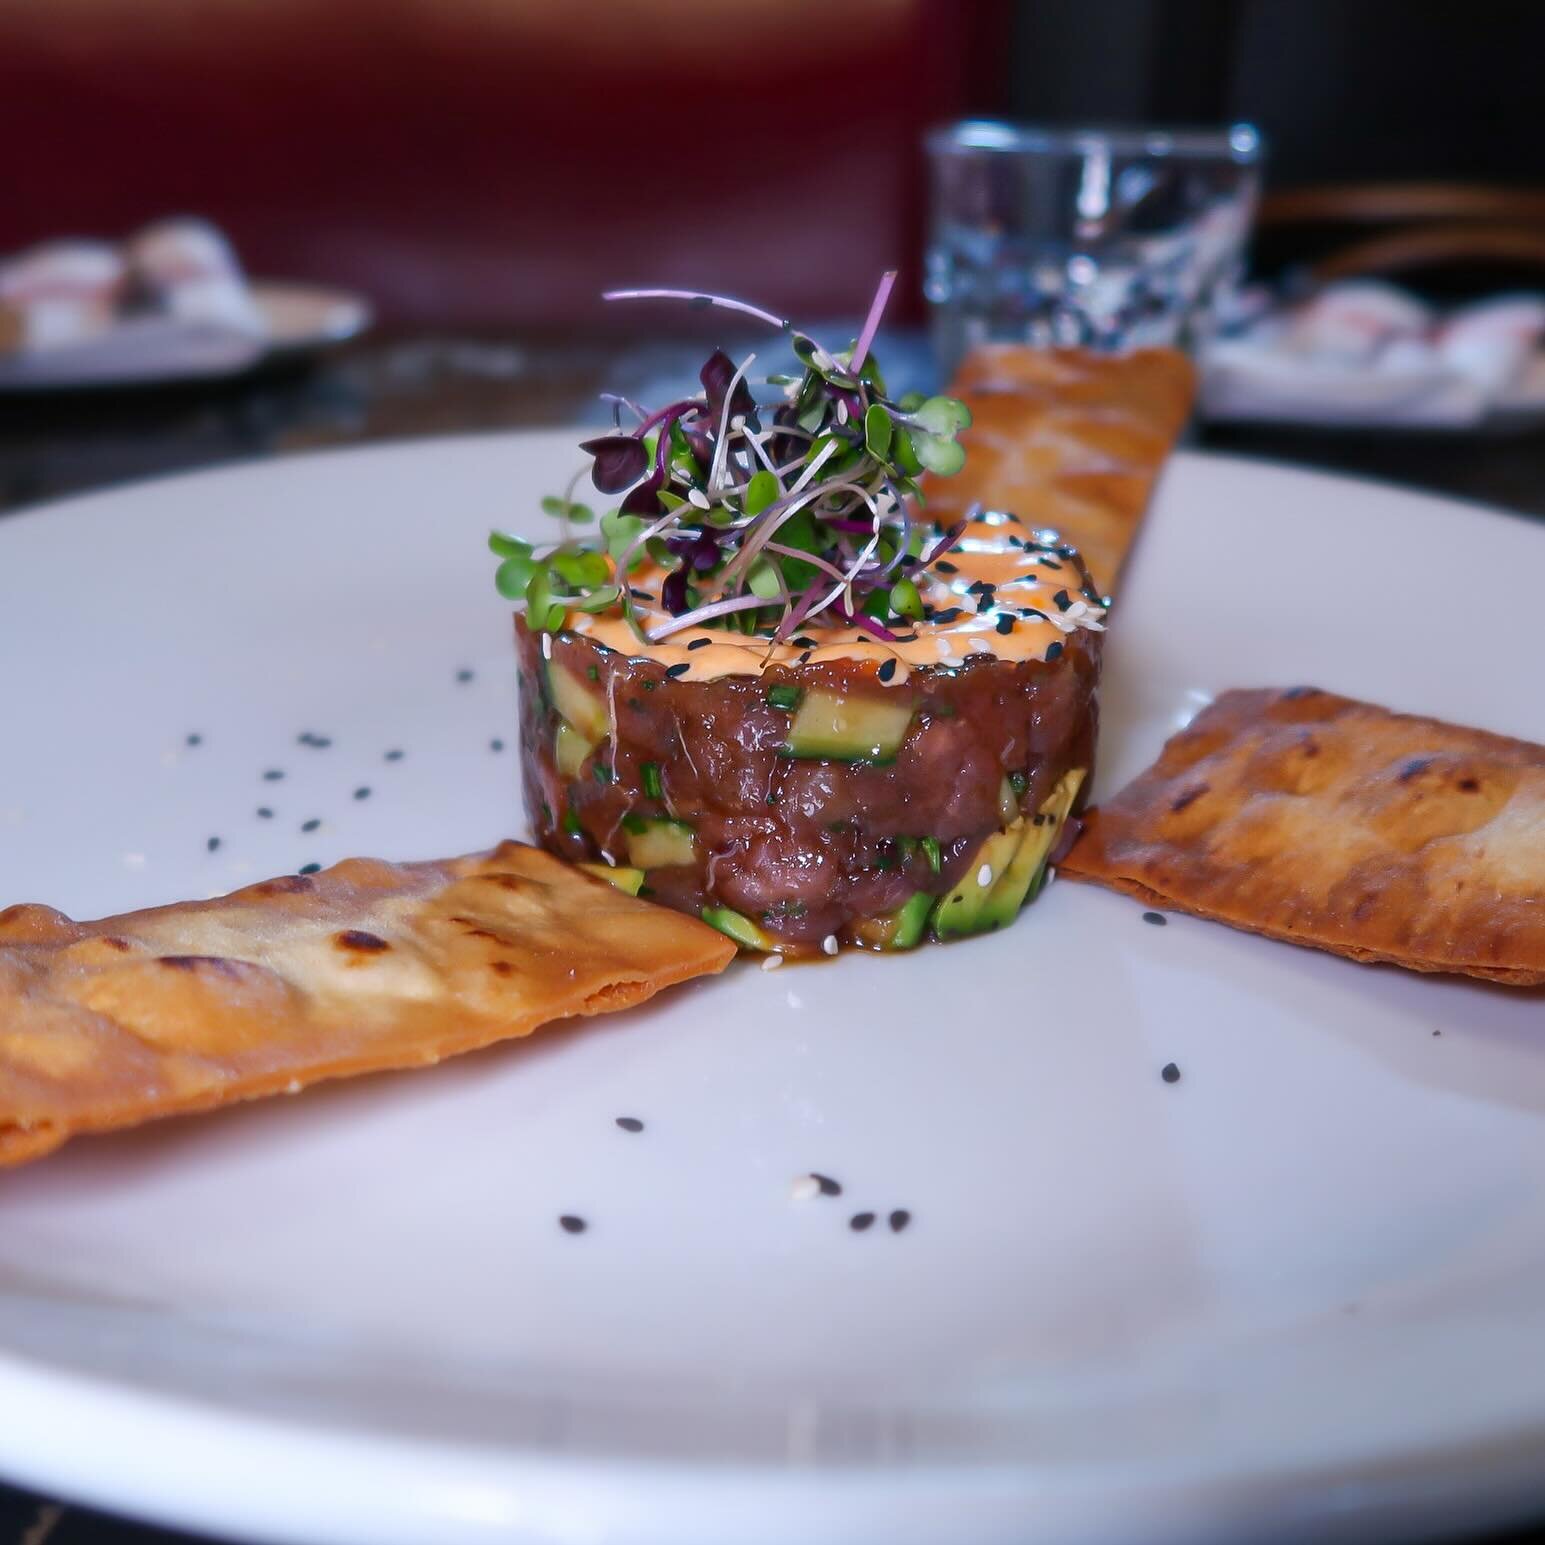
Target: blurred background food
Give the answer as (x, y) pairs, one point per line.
(477, 171)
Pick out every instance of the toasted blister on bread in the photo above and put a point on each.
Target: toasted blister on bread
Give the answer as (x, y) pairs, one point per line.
(1068, 439)
(1323, 821)
(363, 967)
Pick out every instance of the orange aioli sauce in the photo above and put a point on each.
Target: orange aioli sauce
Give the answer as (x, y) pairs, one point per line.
(1025, 579)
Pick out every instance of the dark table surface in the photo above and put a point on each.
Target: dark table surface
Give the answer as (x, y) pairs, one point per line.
(391, 386)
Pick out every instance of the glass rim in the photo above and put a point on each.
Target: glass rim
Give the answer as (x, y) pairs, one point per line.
(1239, 142)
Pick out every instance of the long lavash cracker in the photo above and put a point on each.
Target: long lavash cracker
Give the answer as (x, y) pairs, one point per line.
(1327, 822)
(1069, 439)
(366, 966)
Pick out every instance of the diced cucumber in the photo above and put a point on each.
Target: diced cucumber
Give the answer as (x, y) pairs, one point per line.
(625, 879)
(964, 909)
(570, 749)
(581, 704)
(659, 844)
(836, 728)
(898, 930)
(740, 928)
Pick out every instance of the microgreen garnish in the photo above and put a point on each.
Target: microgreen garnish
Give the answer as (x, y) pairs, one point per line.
(766, 517)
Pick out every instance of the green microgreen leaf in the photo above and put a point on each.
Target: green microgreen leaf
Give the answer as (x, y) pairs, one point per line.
(763, 580)
(942, 416)
(580, 568)
(507, 546)
(911, 402)
(761, 491)
(877, 431)
(930, 846)
(938, 454)
(512, 576)
(563, 509)
(599, 600)
(904, 452)
(905, 600)
(543, 612)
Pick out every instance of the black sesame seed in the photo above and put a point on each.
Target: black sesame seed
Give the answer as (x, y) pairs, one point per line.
(496, 745)
(860, 1221)
(1005, 623)
(700, 643)
(887, 669)
(678, 670)
(804, 641)
(946, 568)
(195, 740)
(1054, 651)
(1437, 1032)
(899, 1220)
(949, 614)
(264, 813)
(639, 595)
(1170, 1073)
(362, 792)
(630, 1124)
(309, 868)
(394, 756)
(570, 1224)
(829, 1187)
(464, 675)
(311, 825)
(1031, 614)
(1063, 600)
(1050, 563)
(312, 739)
(1158, 919)
(273, 775)
(804, 658)
(212, 844)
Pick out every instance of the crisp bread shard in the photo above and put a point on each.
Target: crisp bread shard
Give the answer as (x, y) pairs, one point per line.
(366, 966)
(1068, 439)
(1319, 820)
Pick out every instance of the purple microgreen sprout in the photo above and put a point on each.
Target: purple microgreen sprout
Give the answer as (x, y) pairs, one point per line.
(763, 517)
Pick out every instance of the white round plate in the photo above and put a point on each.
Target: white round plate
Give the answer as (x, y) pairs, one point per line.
(301, 319)
(1299, 1293)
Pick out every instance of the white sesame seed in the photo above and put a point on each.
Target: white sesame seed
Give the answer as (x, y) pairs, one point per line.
(805, 1189)
(547, 645)
(771, 962)
(794, 1000)
(698, 497)
(829, 944)
(842, 411)
(293, 1087)
(1051, 874)
(984, 875)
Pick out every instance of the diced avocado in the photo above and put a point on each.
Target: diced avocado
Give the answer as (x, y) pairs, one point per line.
(1008, 803)
(581, 704)
(964, 909)
(837, 728)
(1023, 878)
(740, 928)
(570, 749)
(659, 844)
(625, 879)
(1016, 859)
(898, 930)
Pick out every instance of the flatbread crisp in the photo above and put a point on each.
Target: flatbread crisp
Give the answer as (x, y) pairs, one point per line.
(366, 966)
(1333, 823)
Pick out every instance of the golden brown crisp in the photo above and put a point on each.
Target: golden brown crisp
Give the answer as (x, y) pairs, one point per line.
(366, 966)
(1068, 439)
(1319, 820)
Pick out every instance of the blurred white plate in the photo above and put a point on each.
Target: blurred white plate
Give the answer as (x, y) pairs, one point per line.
(1298, 1294)
(152, 351)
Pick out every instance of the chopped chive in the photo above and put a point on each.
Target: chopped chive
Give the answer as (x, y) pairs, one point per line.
(784, 696)
(650, 773)
(930, 846)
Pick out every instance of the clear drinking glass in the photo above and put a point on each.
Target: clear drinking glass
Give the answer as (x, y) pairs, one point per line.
(1094, 238)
